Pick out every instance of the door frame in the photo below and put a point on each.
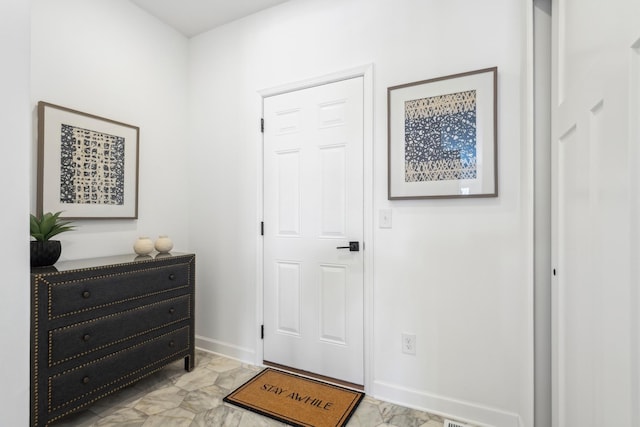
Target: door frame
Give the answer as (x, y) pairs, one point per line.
(366, 72)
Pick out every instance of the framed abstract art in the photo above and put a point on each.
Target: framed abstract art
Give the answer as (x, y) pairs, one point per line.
(87, 165)
(442, 137)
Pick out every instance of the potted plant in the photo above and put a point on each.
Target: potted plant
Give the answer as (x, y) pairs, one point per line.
(44, 251)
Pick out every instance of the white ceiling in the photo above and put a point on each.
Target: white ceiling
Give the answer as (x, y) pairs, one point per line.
(192, 17)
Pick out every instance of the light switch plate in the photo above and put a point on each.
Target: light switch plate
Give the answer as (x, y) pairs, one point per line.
(385, 218)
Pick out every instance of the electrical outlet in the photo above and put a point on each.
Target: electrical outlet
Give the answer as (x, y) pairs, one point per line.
(409, 343)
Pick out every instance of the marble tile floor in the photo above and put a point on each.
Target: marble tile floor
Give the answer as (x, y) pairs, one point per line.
(173, 397)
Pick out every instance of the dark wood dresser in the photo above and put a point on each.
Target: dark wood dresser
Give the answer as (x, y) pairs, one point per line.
(98, 325)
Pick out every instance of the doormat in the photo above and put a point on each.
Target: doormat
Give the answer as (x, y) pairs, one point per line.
(296, 400)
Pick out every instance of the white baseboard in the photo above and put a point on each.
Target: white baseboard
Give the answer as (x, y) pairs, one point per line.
(245, 355)
(465, 412)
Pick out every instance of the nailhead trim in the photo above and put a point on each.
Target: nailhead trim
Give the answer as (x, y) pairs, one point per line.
(110, 392)
(50, 392)
(36, 349)
(106, 276)
(52, 363)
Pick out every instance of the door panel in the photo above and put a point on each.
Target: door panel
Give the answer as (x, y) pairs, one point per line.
(288, 209)
(313, 190)
(288, 294)
(333, 304)
(575, 331)
(334, 192)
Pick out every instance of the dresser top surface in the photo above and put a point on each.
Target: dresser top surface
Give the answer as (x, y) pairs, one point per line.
(78, 264)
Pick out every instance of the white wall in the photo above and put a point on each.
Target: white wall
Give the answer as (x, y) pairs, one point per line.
(111, 59)
(15, 122)
(457, 273)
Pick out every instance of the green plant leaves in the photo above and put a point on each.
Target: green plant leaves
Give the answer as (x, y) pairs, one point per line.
(48, 225)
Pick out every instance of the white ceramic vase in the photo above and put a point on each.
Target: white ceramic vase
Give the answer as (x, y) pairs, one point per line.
(163, 244)
(143, 246)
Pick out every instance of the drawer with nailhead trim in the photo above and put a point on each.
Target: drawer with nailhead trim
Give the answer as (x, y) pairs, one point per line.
(99, 325)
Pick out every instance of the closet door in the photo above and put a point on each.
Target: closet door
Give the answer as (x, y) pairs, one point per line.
(313, 209)
(595, 116)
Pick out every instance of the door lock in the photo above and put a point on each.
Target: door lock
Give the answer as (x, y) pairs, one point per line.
(353, 247)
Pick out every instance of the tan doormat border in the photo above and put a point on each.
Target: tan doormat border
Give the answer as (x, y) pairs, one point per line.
(296, 400)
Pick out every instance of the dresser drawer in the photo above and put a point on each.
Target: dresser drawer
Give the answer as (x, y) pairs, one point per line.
(83, 338)
(69, 296)
(93, 379)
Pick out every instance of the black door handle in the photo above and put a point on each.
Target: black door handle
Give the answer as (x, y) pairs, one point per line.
(353, 247)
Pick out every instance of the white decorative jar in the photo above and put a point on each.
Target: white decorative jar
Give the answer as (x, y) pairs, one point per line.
(163, 244)
(143, 246)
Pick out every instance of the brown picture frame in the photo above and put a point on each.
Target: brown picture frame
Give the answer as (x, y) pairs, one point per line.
(442, 137)
(87, 165)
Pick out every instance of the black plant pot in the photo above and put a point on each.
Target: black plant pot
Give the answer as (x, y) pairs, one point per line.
(45, 253)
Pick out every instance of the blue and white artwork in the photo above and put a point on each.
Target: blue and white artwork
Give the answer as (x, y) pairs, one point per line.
(440, 138)
(91, 167)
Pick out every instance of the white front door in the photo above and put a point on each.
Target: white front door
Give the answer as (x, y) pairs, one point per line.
(595, 115)
(313, 209)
